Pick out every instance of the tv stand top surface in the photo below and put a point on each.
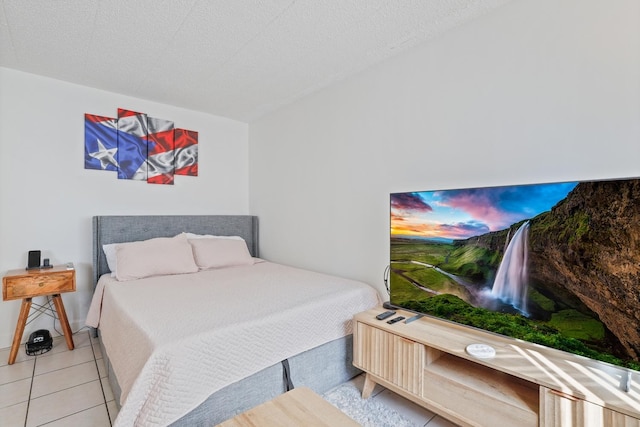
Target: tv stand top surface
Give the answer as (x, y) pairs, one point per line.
(577, 376)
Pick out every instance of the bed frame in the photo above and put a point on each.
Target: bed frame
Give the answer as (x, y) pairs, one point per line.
(320, 369)
(119, 229)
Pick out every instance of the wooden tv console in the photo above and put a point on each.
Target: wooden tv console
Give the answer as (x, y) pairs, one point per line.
(522, 385)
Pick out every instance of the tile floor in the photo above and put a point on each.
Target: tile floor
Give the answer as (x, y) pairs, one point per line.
(69, 388)
(57, 388)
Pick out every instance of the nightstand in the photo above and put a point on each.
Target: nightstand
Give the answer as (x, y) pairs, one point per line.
(26, 284)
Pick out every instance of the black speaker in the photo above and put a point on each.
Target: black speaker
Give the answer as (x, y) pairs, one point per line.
(34, 260)
(39, 342)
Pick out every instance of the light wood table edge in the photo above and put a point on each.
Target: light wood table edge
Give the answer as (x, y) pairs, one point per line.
(290, 409)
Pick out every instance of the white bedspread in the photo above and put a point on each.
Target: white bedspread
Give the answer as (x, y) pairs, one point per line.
(174, 340)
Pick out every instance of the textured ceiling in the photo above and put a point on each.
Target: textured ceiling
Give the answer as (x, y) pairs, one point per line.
(233, 58)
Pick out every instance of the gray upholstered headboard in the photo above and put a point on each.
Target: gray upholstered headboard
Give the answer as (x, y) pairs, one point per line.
(120, 229)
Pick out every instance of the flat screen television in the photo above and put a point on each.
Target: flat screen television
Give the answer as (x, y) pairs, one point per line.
(557, 264)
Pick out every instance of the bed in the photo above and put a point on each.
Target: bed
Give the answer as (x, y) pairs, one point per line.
(199, 347)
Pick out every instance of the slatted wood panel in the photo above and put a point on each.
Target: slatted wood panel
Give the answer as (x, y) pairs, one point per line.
(396, 359)
(562, 410)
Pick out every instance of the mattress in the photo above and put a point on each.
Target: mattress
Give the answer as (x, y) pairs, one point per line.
(175, 340)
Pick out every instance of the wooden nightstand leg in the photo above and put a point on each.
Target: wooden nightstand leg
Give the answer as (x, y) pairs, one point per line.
(368, 386)
(17, 336)
(64, 322)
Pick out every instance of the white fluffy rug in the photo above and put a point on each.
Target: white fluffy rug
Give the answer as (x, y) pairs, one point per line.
(369, 413)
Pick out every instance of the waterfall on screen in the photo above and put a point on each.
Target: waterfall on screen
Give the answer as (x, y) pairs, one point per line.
(510, 284)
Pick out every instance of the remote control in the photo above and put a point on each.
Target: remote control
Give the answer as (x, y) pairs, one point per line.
(395, 319)
(416, 317)
(386, 314)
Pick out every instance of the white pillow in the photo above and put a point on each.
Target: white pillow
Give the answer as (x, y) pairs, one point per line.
(218, 253)
(110, 254)
(110, 249)
(154, 257)
(210, 236)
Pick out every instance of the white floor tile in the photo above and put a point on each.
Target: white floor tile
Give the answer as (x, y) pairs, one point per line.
(113, 410)
(15, 392)
(17, 371)
(48, 363)
(81, 339)
(106, 389)
(97, 351)
(14, 415)
(102, 370)
(64, 378)
(417, 414)
(93, 417)
(67, 402)
(20, 357)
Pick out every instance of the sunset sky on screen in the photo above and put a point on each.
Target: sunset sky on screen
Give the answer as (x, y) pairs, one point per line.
(464, 213)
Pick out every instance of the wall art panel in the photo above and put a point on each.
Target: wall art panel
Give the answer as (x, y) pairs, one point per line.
(139, 147)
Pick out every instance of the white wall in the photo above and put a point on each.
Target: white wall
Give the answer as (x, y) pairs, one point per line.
(47, 198)
(535, 91)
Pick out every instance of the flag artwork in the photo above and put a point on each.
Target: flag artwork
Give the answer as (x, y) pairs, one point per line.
(186, 152)
(161, 155)
(139, 147)
(100, 142)
(132, 145)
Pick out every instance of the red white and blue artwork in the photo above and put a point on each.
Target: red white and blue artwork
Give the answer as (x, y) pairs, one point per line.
(139, 147)
(132, 145)
(100, 142)
(186, 152)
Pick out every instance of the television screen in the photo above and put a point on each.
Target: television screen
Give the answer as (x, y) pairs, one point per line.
(555, 264)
